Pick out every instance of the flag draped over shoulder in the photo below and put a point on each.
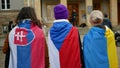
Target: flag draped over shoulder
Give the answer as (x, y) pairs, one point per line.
(99, 49)
(111, 48)
(64, 45)
(27, 45)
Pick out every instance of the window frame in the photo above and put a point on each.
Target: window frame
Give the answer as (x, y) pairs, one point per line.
(5, 4)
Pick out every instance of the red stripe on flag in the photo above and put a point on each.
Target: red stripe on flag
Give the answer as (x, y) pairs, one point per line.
(38, 49)
(70, 50)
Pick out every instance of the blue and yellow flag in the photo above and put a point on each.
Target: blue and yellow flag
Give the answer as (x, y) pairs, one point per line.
(99, 49)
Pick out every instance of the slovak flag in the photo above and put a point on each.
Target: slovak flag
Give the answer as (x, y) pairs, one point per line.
(64, 45)
(27, 46)
(20, 36)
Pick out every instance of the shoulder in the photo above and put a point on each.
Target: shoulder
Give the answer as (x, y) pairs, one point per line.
(37, 30)
(73, 31)
(13, 30)
(75, 28)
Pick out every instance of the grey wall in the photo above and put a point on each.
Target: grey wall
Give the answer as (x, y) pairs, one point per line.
(15, 4)
(0, 5)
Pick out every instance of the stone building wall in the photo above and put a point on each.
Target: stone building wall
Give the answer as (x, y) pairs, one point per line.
(6, 16)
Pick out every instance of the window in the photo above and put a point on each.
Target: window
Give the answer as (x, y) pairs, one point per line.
(5, 4)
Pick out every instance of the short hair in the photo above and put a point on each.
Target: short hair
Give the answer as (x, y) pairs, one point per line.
(105, 15)
(96, 16)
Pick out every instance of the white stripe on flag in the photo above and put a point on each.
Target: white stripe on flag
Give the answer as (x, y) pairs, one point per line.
(13, 50)
(53, 54)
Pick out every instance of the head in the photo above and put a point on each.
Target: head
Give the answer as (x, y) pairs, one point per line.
(105, 15)
(60, 12)
(10, 22)
(96, 17)
(27, 13)
(74, 10)
(9, 26)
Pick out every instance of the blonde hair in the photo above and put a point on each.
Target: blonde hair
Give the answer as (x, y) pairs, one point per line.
(96, 17)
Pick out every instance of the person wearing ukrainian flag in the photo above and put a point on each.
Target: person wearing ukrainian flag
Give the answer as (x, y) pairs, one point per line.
(63, 41)
(99, 48)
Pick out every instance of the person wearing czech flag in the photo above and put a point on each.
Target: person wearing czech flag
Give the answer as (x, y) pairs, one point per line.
(64, 44)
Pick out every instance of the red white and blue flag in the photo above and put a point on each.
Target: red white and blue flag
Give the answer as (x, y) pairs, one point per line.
(64, 45)
(27, 46)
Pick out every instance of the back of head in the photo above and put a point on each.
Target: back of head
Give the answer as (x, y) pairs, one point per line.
(9, 26)
(60, 12)
(96, 17)
(105, 15)
(28, 13)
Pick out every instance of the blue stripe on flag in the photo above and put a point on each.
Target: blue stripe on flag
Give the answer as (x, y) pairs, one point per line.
(25, 24)
(24, 52)
(58, 33)
(95, 49)
(23, 56)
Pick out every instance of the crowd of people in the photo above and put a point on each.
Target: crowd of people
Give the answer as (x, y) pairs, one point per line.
(28, 48)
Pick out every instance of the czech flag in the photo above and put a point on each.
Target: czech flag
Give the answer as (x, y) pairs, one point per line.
(99, 49)
(64, 45)
(27, 46)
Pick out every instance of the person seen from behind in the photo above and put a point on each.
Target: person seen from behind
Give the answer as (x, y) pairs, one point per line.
(74, 17)
(107, 22)
(64, 44)
(6, 48)
(99, 46)
(27, 41)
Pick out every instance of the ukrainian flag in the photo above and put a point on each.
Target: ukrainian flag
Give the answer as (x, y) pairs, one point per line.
(99, 49)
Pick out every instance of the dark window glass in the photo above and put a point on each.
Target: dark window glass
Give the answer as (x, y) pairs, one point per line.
(8, 6)
(8, 1)
(3, 1)
(3, 6)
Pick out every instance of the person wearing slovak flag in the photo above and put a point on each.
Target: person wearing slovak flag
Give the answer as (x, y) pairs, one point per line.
(27, 41)
(63, 41)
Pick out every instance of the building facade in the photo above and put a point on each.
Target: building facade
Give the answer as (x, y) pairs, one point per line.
(83, 8)
(44, 9)
(8, 12)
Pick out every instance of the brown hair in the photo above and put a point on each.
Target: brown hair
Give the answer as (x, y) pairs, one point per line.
(28, 13)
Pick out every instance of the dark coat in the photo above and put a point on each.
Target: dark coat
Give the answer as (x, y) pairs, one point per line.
(107, 22)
